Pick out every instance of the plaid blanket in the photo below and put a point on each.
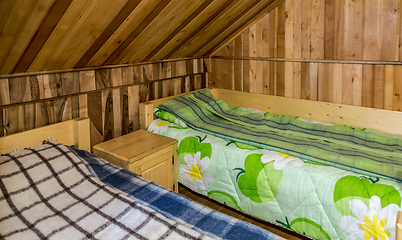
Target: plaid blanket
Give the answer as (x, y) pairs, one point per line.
(48, 193)
(172, 205)
(349, 148)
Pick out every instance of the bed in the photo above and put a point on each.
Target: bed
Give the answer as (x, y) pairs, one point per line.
(52, 187)
(296, 172)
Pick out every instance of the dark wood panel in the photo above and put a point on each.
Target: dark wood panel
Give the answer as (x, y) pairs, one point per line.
(108, 123)
(19, 90)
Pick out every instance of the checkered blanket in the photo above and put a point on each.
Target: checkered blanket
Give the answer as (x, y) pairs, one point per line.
(48, 193)
(173, 205)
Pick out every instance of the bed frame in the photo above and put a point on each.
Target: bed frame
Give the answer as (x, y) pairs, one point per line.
(378, 119)
(74, 132)
(382, 120)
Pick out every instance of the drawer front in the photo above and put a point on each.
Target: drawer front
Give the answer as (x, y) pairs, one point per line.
(157, 167)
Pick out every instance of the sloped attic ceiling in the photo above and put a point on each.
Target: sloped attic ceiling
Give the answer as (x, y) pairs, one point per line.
(37, 35)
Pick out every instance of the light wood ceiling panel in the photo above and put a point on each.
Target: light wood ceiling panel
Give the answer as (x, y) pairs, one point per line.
(39, 35)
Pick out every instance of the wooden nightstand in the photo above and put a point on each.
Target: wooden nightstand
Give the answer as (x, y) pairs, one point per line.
(151, 155)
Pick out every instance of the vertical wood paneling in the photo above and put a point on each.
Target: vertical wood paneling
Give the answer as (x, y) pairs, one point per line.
(389, 87)
(397, 89)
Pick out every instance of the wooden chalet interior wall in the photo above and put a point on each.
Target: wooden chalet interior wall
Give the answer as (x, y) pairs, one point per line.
(341, 51)
(108, 96)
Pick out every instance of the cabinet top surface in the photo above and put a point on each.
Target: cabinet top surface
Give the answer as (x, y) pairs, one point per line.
(135, 144)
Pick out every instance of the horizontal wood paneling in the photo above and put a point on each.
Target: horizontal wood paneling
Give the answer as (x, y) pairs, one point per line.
(40, 35)
(109, 97)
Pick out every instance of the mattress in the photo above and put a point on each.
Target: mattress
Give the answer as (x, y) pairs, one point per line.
(315, 198)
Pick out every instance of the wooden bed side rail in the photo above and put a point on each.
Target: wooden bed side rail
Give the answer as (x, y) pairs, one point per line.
(74, 132)
(379, 119)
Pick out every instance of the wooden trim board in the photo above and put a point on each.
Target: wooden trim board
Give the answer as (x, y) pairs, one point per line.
(72, 133)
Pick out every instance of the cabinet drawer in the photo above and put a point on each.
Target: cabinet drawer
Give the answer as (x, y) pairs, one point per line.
(157, 167)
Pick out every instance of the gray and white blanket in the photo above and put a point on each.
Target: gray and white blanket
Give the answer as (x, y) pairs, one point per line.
(48, 193)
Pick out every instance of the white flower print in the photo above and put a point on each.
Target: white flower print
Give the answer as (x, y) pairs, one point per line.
(281, 159)
(194, 172)
(159, 125)
(373, 222)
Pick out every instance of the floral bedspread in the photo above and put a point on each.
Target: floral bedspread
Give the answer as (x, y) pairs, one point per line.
(317, 200)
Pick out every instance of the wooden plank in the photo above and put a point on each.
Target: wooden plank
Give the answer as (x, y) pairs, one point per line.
(372, 30)
(305, 80)
(37, 87)
(66, 28)
(65, 133)
(324, 82)
(133, 107)
(280, 84)
(87, 81)
(245, 16)
(52, 85)
(306, 29)
(178, 29)
(353, 32)
(238, 65)
(83, 106)
(339, 28)
(13, 120)
(4, 92)
(70, 83)
(29, 116)
(347, 84)
(107, 115)
(115, 58)
(2, 132)
(62, 109)
(329, 29)
(317, 29)
(19, 90)
(45, 28)
(357, 85)
(214, 13)
(246, 63)
(117, 112)
(389, 87)
(368, 86)
(102, 78)
(167, 21)
(18, 25)
(379, 82)
(127, 74)
(289, 19)
(99, 24)
(382, 120)
(116, 78)
(95, 112)
(273, 50)
(75, 106)
(397, 89)
(119, 18)
(45, 114)
(337, 83)
(390, 30)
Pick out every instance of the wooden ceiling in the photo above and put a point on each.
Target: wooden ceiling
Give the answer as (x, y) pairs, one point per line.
(38, 35)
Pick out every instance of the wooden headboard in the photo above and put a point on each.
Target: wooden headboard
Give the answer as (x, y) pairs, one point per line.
(74, 132)
(382, 120)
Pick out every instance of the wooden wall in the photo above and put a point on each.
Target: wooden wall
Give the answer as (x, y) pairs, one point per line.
(342, 51)
(108, 96)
